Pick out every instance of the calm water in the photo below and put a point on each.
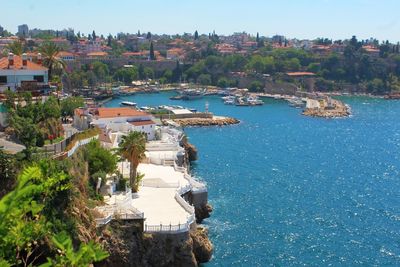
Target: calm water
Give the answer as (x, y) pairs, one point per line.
(290, 190)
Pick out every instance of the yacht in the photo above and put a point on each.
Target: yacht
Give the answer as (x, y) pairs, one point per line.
(128, 103)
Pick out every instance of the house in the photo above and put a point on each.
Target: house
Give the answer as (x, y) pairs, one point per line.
(19, 73)
(175, 54)
(66, 56)
(122, 119)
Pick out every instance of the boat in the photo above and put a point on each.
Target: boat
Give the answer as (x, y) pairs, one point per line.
(191, 94)
(393, 96)
(128, 103)
(254, 101)
(177, 97)
(295, 102)
(241, 102)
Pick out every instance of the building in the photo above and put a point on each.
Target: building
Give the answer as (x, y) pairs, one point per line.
(113, 120)
(23, 30)
(66, 56)
(20, 74)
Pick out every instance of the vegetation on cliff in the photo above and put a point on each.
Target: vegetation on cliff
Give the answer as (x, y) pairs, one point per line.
(48, 201)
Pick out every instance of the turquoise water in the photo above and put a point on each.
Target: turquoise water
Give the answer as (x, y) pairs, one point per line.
(290, 190)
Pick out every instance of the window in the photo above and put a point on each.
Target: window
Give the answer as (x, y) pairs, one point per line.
(39, 78)
(3, 79)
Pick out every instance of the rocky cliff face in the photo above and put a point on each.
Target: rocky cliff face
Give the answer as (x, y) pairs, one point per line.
(190, 150)
(129, 247)
(203, 212)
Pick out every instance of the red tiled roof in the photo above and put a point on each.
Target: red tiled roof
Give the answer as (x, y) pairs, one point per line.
(18, 64)
(65, 54)
(119, 112)
(140, 123)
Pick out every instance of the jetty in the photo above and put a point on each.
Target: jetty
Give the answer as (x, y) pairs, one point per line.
(206, 121)
(326, 107)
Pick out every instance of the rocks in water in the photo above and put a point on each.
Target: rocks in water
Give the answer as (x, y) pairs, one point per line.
(202, 247)
(215, 121)
(330, 108)
(203, 212)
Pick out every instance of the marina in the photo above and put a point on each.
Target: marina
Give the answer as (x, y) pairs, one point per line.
(294, 197)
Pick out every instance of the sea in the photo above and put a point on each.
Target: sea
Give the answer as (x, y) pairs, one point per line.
(290, 190)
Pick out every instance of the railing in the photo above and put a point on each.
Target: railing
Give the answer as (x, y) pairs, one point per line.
(184, 189)
(184, 204)
(197, 186)
(80, 143)
(103, 221)
(158, 184)
(178, 168)
(170, 228)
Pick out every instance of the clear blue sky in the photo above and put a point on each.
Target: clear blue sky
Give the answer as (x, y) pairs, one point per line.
(336, 19)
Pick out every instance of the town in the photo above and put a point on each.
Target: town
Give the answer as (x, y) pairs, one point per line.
(125, 172)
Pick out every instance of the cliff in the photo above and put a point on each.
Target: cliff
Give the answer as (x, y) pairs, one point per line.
(129, 247)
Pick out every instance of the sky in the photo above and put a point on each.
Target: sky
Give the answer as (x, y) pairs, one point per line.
(303, 19)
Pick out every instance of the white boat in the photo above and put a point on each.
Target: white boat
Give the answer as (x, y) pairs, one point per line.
(128, 103)
(254, 101)
(229, 102)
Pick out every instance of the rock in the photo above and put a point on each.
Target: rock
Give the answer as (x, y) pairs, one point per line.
(128, 246)
(203, 212)
(202, 247)
(190, 150)
(215, 121)
(339, 109)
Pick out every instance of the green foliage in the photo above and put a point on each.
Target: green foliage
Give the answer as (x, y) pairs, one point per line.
(204, 79)
(34, 122)
(69, 104)
(23, 225)
(32, 213)
(256, 86)
(16, 48)
(8, 170)
(67, 256)
(126, 75)
(99, 158)
(49, 51)
(152, 55)
(132, 148)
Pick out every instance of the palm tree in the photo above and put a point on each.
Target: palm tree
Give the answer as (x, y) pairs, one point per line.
(49, 51)
(16, 48)
(132, 148)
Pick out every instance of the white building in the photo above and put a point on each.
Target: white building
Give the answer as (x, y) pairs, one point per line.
(123, 120)
(16, 71)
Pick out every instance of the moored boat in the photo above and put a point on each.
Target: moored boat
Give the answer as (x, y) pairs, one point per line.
(128, 103)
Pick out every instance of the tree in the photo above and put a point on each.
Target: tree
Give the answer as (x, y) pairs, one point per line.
(69, 104)
(16, 48)
(127, 75)
(256, 86)
(196, 35)
(99, 158)
(94, 36)
(148, 36)
(8, 171)
(49, 51)
(132, 148)
(84, 256)
(204, 79)
(109, 39)
(152, 56)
